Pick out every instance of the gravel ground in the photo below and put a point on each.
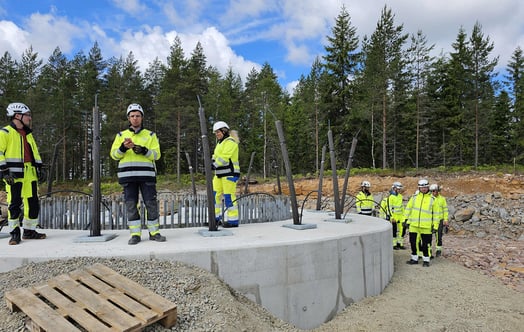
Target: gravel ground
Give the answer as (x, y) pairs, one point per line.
(444, 297)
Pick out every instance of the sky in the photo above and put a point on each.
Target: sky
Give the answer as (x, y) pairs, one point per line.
(243, 34)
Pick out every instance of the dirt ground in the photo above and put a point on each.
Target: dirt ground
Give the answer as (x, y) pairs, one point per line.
(452, 184)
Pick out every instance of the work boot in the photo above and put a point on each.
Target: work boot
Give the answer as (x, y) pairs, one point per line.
(425, 264)
(397, 247)
(229, 225)
(439, 253)
(15, 236)
(31, 234)
(412, 262)
(134, 239)
(157, 237)
(401, 247)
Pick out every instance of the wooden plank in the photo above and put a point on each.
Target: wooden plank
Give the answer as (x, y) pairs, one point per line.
(40, 313)
(133, 289)
(85, 298)
(133, 307)
(69, 308)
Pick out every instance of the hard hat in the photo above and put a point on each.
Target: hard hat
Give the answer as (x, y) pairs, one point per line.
(15, 108)
(219, 125)
(134, 107)
(434, 186)
(397, 185)
(423, 183)
(365, 184)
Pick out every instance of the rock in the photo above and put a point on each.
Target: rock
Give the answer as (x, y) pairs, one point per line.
(464, 214)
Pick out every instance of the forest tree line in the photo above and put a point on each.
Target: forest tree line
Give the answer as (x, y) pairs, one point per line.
(408, 108)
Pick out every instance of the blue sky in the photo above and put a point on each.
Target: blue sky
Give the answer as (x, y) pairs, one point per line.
(243, 34)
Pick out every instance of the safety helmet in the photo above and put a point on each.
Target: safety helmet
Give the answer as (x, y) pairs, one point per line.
(15, 108)
(397, 185)
(219, 125)
(365, 184)
(423, 183)
(134, 107)
(434, 186)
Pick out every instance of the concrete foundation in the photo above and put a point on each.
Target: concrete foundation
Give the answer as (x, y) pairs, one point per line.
(303, 276)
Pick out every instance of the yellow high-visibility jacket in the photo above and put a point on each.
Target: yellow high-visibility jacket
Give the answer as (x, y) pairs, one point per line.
(392, 207)
(365, 203)
(225, 158)
(132, 166)
(422, 212)
(443, 204)
(12, 150)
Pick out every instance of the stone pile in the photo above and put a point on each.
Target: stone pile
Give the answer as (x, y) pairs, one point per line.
(486, 215)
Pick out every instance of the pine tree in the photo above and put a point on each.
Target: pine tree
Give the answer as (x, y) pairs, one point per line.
(482, 70)
(384, 75)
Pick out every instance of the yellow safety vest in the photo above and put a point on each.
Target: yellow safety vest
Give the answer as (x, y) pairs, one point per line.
(132, 166)
(12, 150)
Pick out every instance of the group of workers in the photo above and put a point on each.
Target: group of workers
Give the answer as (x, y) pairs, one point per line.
(136, 149)
(425, 214)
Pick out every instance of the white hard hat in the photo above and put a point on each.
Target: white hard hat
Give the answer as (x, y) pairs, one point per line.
(134, 107)
(15, 108)
(423, 183)
(365, 184)
(397, 185)
(434, 186)
(219, 125)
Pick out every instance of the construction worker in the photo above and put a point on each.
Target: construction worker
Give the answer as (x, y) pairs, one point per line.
(364, 199)
(21, 170)
(227, 172)
(136, 150)
(423, 218)
(392, 209)
(440, 200)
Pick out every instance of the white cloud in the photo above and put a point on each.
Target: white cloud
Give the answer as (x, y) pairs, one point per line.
(133, 7)
(13, 39)
(149, 43)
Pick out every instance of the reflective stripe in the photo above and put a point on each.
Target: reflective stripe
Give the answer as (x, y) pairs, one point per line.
(30, 223)
(129, 174)
(153, 226)
(13, 223)
(134, 227)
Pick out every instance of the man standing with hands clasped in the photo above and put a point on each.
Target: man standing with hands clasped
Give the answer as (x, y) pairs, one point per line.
(136, 150)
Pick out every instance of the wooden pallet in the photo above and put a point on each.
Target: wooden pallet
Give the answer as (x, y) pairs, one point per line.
(94, 299)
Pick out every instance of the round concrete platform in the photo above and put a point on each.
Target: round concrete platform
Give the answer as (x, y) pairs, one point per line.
(303, 275)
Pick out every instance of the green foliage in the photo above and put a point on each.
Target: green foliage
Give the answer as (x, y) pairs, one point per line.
(409, 109)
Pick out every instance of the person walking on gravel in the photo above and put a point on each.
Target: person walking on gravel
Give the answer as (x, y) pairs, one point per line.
(392, 209)
(423, 217)
(443, 224)
(21, 170)
(136, 150)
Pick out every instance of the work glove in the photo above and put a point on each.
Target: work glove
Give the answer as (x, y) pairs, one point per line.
(138, 149)
(123, 148)
(41, 174)
(405, 224)
(8, 178)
